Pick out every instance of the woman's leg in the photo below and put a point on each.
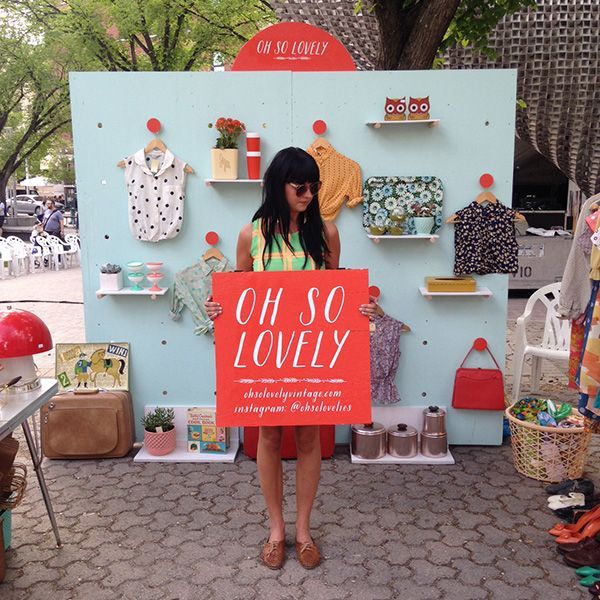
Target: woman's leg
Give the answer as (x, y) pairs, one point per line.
(308, 472)
(270, 473)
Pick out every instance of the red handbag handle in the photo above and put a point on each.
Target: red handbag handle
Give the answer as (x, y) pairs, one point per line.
(473, 348)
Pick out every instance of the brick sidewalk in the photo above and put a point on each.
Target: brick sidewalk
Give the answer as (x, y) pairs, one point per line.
(188, 531)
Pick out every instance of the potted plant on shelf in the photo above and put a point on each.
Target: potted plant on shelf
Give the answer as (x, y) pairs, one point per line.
(159, 431)
(111, 277)
(224, 156)
(423, 218)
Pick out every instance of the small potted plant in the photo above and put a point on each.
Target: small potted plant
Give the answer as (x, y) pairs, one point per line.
(111, 277)
(423, 218)
(159, 431)
(224, 156)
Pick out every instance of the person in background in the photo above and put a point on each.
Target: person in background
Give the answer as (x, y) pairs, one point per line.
(2, 214)
(53, 221)
(289, 229)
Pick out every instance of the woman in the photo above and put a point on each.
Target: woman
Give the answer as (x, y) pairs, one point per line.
(287, 233)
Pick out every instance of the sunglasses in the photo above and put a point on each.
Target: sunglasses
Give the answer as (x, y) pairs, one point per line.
(301, 188)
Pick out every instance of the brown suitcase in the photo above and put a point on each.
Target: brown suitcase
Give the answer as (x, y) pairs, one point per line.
(90, 424)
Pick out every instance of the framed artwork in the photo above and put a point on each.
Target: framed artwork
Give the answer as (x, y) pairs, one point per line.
(92, 366)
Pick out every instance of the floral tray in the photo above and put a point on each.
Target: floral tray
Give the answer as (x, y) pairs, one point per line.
(391, 203)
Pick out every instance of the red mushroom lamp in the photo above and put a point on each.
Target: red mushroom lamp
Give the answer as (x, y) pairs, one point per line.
(22, 334)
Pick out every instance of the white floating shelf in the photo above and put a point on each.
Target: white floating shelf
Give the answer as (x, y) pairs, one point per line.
(428, 122)
(388, 459)
(127, 291)
(181, 454)
(480, 291)
(212, 181)
(417, 236)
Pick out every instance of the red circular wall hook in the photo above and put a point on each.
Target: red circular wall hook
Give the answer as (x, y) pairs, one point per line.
(212, 237)
(153, 125)
(319, 127)
(486, 180)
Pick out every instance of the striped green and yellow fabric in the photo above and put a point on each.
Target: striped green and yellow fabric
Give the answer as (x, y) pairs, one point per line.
(282, 257)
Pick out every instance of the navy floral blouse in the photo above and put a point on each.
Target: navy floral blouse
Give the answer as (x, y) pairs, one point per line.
(485, 239)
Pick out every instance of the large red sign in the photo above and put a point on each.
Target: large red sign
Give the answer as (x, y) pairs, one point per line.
(292, 348)
(293, 47)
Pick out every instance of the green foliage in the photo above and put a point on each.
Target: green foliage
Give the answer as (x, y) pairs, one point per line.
(151, 35)
(476, 19)
(159, 417)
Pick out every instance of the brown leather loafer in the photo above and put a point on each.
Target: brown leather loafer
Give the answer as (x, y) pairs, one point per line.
(308, 554)
(273, 554)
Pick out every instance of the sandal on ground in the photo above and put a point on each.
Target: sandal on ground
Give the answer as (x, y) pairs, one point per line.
(273, 554)
(587, 544)
(594, 589)
(561, 501)
(308, 554)
(592, 529)
(579, 525)
(587, 571)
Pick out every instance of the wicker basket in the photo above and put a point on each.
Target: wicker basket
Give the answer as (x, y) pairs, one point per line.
(12, 488)
(548, 453)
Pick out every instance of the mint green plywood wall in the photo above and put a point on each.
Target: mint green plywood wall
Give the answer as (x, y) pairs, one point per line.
(169, 365)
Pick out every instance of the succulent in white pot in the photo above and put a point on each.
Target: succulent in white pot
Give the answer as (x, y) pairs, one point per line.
(111, 277)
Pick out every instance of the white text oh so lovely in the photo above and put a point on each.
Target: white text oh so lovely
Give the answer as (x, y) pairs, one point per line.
(291, 47)
(301, 347)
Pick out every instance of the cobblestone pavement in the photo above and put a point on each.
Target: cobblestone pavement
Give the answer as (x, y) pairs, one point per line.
(180, 531)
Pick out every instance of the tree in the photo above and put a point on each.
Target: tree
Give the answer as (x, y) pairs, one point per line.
(413, 32)
(34, 98)
(151, 35)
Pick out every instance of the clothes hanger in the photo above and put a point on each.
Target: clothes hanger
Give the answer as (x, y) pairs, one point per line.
(320, 142)
(155, 144)
(486, 196)
(381, 313)
(212, 252)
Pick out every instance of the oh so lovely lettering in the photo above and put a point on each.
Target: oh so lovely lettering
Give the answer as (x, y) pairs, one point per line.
(263, 345)
(291, 47)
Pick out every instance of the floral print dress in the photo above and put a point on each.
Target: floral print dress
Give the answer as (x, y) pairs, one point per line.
(485, 239)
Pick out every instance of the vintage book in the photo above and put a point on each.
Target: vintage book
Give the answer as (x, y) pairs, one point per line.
(450, 284)
(203, 433)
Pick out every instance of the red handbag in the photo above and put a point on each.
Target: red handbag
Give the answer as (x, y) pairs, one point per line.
(478, 389)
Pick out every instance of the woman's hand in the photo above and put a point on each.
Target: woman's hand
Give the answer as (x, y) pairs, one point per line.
(213, 309)
(369, 310)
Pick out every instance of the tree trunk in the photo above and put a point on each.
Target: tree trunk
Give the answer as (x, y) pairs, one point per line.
(410, 37)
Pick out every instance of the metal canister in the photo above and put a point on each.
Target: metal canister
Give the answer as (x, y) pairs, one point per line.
(434, 420)
(403, 441)
(434, 445)
(369, 440)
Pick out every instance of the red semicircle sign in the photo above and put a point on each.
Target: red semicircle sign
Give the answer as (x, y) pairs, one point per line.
(293, 47)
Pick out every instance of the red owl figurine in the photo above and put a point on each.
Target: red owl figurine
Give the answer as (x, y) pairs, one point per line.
(418, 109)
(395, 109)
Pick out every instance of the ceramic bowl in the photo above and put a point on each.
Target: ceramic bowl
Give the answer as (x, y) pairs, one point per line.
(154, 266)
(376, 230)
(135, 266)
(135, 278)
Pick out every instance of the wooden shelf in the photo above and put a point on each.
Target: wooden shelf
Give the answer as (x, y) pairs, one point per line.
(127, 291)
(181, 454)
(480, 291)
(392, 414)
(428, 122)
(210, 182)
(417, 236)
(419, 459)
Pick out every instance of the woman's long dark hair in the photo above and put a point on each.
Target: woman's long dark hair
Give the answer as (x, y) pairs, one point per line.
(291, 165)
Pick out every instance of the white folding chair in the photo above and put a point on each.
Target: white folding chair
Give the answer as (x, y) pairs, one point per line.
(555, 341)
(21, 254)
(48, 252)
(74, 249)
(7, 266)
